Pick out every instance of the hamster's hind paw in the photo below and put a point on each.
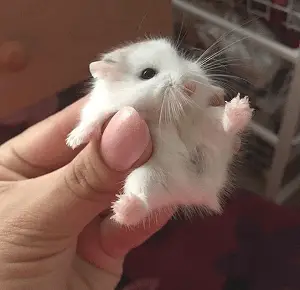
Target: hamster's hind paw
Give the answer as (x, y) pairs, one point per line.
(129, 210)
(237, 115)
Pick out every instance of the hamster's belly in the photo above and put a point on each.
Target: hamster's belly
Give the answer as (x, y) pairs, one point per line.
(210, 152)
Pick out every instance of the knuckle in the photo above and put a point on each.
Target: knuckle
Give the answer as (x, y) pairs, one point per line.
(24, 165)
(84, 180)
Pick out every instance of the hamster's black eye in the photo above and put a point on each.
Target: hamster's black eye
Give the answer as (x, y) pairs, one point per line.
(148, 73)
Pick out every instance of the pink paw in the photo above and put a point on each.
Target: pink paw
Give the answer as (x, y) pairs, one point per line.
(77, 137)
(129, 210)
(81, 135)
(237, 115)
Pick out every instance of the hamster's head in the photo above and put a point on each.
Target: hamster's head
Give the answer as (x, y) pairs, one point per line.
(153, 76)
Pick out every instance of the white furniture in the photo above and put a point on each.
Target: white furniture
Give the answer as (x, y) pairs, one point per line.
(285, 142)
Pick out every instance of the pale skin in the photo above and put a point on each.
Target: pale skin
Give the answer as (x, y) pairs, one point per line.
(54, 228)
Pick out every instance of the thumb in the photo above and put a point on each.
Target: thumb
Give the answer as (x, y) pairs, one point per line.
(72, 196)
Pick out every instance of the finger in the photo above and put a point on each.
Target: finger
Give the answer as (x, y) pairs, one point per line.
(72, 196)
(42, 148)
(105, 243)
(91, 275)
(112, 234)
(8, 175)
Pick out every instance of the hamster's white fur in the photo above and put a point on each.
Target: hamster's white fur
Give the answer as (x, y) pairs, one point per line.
(193, 142)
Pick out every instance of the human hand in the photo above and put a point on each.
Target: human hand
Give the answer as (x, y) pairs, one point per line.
(52, 232)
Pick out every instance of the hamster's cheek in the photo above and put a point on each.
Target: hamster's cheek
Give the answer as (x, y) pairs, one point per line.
(195, 71)
(191, 65)
(156, 93)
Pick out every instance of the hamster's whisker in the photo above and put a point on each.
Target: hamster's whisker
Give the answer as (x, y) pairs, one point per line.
(168, 110)
(220, 52)
(178, 110)
(201, 83)
(228, 82)
(178, 41)
(227, 76)
(227, 60)
(185, 100)
(215, 81)
(226, 85)
(219, 64)
(223, 63)
(224, 60)
(223, 37)
(172, 103)
(162, 113)
(183, 97)
(178, 101)
(188, 101)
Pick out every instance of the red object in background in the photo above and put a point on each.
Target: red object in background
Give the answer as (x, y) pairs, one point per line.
(33, 114)
(15, 125)
(277, 21)
(280, 2)
(254, 245)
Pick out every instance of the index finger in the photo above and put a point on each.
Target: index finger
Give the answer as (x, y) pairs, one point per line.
(104, 242)
(42, 148)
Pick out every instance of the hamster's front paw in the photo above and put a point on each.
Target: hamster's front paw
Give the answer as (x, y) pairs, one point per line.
(77, 137)
(129, 209)
(237, 115)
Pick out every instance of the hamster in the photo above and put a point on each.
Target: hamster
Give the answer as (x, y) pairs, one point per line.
(193, 142)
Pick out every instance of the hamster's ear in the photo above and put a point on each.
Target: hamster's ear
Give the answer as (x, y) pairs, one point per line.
(218, 97)
(101, 69)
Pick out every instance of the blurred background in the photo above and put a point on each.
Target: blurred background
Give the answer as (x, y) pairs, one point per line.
(253, 46)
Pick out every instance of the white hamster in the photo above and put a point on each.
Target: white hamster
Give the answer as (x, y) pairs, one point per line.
(193, 142)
